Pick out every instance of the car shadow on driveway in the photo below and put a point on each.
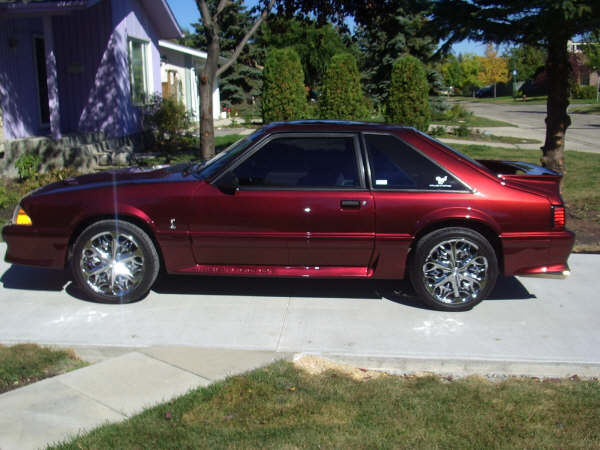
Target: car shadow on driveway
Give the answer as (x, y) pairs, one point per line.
(34, 278)
(398, 291)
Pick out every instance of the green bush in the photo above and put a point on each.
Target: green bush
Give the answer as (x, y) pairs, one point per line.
(455, 113)
(342, 96)
(438, 131)
(408, 98)
(283, 95)
(462, 130)
(167, 118)
(28, 165)
(583, 92)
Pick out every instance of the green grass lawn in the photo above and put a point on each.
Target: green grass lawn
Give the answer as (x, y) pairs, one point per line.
(27, 363)
(535, 100)
(474, 121)
(489, 138)
(282, 406)
(588, 109)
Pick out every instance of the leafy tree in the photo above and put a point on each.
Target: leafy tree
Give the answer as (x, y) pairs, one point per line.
(470, 66)
(526, 60)
(342, 96)
(451, 71)
(493, 68)
(284, 96)
(315, 44)
(547, 23)
(462, 72)
(408, 100)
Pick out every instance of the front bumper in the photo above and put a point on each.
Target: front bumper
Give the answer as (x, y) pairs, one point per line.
(32, 246)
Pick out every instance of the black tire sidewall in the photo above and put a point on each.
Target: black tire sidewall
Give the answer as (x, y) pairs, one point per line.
(151, 260)
(428, 242)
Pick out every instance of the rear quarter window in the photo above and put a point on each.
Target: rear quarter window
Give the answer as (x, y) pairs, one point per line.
(396, 165)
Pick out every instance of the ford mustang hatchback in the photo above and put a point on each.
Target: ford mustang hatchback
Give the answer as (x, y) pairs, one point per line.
(304, 199)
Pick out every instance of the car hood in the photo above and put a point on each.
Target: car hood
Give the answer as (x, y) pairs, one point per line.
(132, 175)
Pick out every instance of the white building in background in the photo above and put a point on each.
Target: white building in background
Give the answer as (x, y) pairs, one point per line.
(178, 75)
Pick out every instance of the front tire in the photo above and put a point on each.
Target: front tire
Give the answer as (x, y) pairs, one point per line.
(114, 261)
(453, 269)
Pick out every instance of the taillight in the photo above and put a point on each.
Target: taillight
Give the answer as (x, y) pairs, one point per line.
(558, 217)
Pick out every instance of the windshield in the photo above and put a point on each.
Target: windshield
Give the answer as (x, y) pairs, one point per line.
(221, 159)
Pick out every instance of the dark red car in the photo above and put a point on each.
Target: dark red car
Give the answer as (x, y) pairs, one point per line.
(304, 199)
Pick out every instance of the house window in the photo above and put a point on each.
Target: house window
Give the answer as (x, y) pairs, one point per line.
(138, 71)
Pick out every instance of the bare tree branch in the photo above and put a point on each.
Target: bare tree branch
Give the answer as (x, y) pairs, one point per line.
(238, 49)
(206, 17)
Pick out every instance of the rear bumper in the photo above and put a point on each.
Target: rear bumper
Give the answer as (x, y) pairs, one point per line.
(558, 272)
(537, 254)
(32, 246)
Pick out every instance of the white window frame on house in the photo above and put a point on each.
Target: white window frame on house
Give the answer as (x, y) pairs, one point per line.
(146, 70)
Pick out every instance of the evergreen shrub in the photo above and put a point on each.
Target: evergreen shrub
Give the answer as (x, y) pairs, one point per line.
(283, 95)
(408, 98)
(341, 95)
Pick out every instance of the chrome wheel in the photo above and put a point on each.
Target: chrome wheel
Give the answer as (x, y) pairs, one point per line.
(112, 263)
(455, 271)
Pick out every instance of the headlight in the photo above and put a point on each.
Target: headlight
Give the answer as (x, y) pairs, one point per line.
(20, 217)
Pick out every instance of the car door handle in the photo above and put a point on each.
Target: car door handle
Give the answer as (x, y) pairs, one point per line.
(355, 204)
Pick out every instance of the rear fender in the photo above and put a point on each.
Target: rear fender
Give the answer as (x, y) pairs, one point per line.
(464, 214)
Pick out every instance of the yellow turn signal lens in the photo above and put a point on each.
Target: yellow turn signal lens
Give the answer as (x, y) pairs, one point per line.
(23, 218)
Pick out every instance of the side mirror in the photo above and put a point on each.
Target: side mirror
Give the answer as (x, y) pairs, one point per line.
(228, 183)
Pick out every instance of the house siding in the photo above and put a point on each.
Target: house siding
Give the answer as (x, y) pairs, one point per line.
(85, 68)
(18, 79)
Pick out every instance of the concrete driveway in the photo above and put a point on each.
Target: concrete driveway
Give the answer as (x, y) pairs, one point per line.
(526, 320)
(583, 134)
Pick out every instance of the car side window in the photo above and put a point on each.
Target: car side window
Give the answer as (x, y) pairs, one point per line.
(302, 162)
(395, 165)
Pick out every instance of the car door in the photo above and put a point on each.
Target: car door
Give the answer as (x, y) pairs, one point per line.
(301, 201)
(407, 187)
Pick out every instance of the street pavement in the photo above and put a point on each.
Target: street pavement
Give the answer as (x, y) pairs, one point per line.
(582, 135)
(190, 331)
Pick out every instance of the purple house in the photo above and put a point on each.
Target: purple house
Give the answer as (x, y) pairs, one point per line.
(79, 66)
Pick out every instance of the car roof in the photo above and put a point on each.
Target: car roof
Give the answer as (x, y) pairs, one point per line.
(332, 126)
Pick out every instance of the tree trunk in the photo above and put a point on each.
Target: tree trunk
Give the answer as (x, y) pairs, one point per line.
(207, 128)
(494, 90)
(558, 70)
(206, 82)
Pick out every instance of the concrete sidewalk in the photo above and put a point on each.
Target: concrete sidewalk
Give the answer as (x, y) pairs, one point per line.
(113, 390)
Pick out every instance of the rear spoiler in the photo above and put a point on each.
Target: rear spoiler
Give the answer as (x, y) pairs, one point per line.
(528, 176)
(514, 167)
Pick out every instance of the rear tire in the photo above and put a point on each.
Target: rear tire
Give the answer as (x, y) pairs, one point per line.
(114, 261)
(453, 269)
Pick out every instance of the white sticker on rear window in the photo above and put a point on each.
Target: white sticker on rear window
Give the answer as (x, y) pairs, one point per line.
(440, 182)
(381, 182)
